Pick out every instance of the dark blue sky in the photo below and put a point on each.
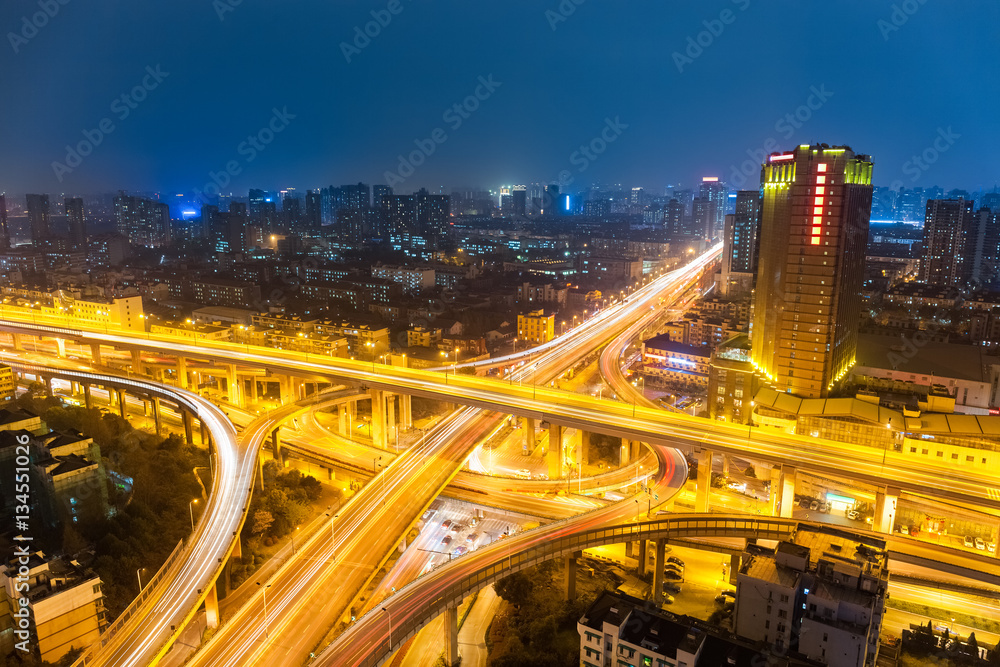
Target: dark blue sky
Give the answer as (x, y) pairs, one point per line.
(894, 91)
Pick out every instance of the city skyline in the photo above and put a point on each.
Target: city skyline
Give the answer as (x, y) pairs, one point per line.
(173, 120)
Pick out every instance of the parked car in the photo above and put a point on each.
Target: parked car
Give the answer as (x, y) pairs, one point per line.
(673, 567)
(675, 560)
(980, 544)
(968, 541)
(824, 507)
(804, 503)
(670, 575)
(523, 473)
(905, 530)
(668, 599)
(814, 505)
(853, 515)
(671, 587)
(991, 547)
(725, 596)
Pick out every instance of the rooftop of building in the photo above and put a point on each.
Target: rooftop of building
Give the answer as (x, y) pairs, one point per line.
(933, 358)
(922, 290)
(663, 343)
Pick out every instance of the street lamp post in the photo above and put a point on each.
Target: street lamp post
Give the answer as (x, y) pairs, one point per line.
(293, 538)
(138, 575)
(390, 626)
(191, 511)
(333, 533)
(263, 589)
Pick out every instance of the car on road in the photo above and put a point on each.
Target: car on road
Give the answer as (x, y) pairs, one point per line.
(670, 575)
(446, 540)
(980, 544)
(523, 473)
(824, 507)
(905, 530)
(471, 539)
(814, 505)
(853, 515)
(675, 560)
(991, 547)
(540, 475)
(968, 541)
(460, 551)
(455, 527)
(668, 599)
(446, 523)
(725, 596)
(804, 503)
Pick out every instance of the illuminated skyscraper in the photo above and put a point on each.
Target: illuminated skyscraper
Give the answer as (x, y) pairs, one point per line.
(433, 213)
(813, 235)
(519, 199)
(39, 217)
(715, 195)
(4, 230)
(77, 225)
(947, 222)
(741, 245)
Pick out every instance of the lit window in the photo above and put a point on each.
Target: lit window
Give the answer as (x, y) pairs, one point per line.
(818, 210)
(818, 201)
(821, 191)
(821, 179)
(821, 167)
(815, 240)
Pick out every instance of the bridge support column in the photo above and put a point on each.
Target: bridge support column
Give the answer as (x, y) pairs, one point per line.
(155, 402)
(121, 402)
(626, 451)
(390, 414)
(569, 575)
(555, 455)
(659, 563)
(284, 393)
(726, 459)
(342, 420)
(734, 567)
(786, 492)
(406, 411)
(18, 344)
(451, 636)
(253, 389)
(87, 401)
(584, 456)
(704, 489)
(378, 418)
(258, 478)
(529, 435)
(643, 553)
(212, 607)
(182, 373)
(137, 361)
(233, 386)
(188, 430)
(95, 353)
(276, 447)
(885, 509)
(61, 348)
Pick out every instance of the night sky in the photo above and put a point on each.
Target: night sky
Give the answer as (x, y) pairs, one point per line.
(884, 85)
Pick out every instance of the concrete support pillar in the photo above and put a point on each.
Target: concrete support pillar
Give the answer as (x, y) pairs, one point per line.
(569, 576)
(254, 397)
(182, 373)
(643, 552)
(352, 410)
(775, 490)
(626, 450)
(378, 430)
(701, 503)
(390, 415)
(451, 636)
(276, 447)
(555, 455)
(630, 549)
(156, 414)
(258, 478)
(18, 344)
(726, 459)
(188, 427)
(529, 435)
(885, 509)
(238, 550)
(734, 567)
(406, 411)
(121, 401)
(137, 361)
(284, 393)
(61, 348)
(659, 563)
(636, 451)
(787, 491)
(342, 420)
(212, 607)
(584, 456)
(233, 386)
(87, 400)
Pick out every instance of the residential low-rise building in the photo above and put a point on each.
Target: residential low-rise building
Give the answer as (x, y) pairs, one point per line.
(7, 385)
(225, 292)
(192, 330)
(536, 327)
(413, 279)
(667, 362)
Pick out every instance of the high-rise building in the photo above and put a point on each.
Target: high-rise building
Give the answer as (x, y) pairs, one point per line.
(519, 200)
(741, 240)
(813, 237)
(550, 201)
(143, 222)
(910, 204)
(990, 200)
(981, 255)
(673, 217)
(4, 229)
(946, 225)
(433, 213)
(39, 217)
(357, 196)
(378, 192)
(716, 194)
(399, 213)
(314, 205)
(77, 225)
(291, 209)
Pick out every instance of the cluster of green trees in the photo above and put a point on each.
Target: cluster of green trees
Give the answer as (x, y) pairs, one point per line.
(542, 628)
